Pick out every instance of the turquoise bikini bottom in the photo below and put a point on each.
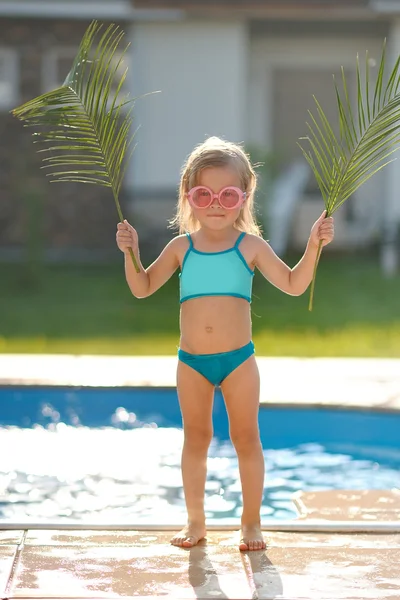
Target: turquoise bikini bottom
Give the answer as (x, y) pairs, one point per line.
(216, 367)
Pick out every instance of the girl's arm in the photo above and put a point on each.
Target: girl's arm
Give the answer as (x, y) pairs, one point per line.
(149, 280)
(294, 281)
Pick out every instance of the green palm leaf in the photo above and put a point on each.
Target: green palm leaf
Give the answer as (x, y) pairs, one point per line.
(87, 131)
(369, 135)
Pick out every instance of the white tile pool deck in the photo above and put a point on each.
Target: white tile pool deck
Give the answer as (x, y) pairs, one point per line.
(344, 545)
(358, 382)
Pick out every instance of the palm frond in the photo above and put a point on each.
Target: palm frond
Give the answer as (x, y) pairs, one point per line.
(369, 134)
(84, 125)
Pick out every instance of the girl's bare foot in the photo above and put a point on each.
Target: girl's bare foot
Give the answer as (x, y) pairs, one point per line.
(252, 538)
(190, 535)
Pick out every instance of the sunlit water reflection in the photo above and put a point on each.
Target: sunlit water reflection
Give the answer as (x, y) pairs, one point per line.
(61, 471)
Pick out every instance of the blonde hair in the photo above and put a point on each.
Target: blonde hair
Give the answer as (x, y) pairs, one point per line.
(215, 152)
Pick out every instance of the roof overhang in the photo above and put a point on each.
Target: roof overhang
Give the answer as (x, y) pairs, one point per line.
(310, 10)
(171, 10)
(114, 10)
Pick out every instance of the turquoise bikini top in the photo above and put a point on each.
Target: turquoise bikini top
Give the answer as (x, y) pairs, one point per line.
(223, 273)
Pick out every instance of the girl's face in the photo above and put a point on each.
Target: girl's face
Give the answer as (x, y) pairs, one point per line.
(215, 216)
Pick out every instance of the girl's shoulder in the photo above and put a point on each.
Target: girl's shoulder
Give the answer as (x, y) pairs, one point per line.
(179, 245)
(179, 240)
(252, 239)
(251, 246)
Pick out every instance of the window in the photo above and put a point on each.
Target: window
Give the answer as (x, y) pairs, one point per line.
(293, 89)
(9, 78)
(58, 62)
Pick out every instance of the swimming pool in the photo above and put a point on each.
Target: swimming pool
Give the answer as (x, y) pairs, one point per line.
(113, 454)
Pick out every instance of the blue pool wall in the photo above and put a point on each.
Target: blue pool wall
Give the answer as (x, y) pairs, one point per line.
(280, 426)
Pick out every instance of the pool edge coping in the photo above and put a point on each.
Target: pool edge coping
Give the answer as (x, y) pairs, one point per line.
(351, 383)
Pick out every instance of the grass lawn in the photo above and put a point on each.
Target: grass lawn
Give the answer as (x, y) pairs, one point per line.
(91, 310)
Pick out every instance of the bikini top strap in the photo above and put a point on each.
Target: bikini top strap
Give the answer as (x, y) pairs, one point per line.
(190, 241)
(241, 236)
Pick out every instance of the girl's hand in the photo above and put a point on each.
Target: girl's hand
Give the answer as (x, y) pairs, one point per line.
(323, 229)
(127, 237)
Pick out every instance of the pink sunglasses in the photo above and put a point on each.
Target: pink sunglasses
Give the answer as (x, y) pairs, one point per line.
(229, 197)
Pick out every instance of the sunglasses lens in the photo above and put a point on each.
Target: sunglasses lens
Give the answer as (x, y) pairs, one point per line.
(230, 198)
(201, 198)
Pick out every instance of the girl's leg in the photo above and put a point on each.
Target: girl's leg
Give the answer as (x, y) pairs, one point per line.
(241, 390)
(196, 396)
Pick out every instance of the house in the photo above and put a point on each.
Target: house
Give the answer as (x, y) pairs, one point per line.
(242, 69)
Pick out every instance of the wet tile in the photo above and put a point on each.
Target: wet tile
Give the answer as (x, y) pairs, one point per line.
(296, 566)
(282, 539)
(369, 516)
(363, 505)
(7, 554)
(146, 566)
(93, 538)
(326, 574)
(9, 537)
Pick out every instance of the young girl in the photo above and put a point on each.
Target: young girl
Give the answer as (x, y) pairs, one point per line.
(217, 252)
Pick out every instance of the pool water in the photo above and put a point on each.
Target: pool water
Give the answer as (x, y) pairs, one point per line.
(114, 455)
